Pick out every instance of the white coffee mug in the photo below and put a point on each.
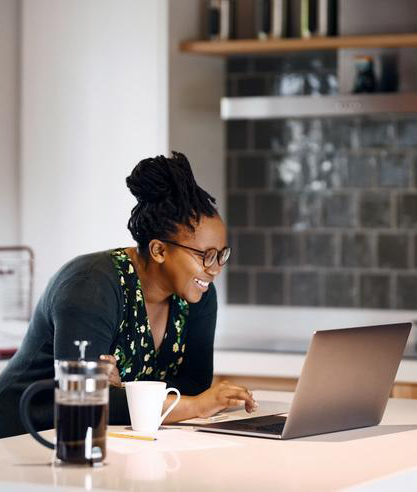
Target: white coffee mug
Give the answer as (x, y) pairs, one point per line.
(145, 400)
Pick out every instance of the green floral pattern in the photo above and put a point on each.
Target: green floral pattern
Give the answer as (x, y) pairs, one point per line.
(137, 358)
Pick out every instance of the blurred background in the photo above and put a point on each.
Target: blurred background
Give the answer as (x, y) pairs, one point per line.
(311, 153)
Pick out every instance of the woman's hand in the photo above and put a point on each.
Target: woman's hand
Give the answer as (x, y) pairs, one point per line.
(223, 395)
(114, 376)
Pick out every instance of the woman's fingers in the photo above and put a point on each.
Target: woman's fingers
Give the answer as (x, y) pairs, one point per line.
(109, 358)
(235, 395)
(223, 395)
(114, 376)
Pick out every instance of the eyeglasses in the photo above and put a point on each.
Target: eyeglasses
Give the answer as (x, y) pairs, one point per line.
(209, 255)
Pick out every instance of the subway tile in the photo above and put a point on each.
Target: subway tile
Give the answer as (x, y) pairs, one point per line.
(407, 210)
(362, 171)
(302, 210)
(407, 132)
(237, 287)
(392, 251)
(286, 249)
(374, 209)
(356, 250)
(338, 210)
(251, 171)
(286, 172)
(319, 171)
(268, 210)
(268, 63)
(329, 84)
(231, 87)
(413, 170)
(312, 61)
(230, 172)
(415, 252)
(406, 292)
(237, 134)
(339, 290)
(330, 171)
(320, 250)
(377, 133)
(323, 60)
(290, 84)
(316, 83)
(304, 290)
(296, 136)
(237, 210)
(395, 170)
(269, 288)
(342, 133)
(269, 134)
(374, 291)
(308, 162)
(237, 64)
(251, 86)
(251, 249)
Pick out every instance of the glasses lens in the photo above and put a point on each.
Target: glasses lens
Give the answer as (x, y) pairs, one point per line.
(210, 257)
(224, 256)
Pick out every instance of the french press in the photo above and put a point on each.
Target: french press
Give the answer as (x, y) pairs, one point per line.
(81, 409)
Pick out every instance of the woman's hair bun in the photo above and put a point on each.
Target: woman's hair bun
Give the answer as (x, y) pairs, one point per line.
(168, 196)
(154, 179)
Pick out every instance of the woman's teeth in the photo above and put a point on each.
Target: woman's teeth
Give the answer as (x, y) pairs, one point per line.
(201, 283)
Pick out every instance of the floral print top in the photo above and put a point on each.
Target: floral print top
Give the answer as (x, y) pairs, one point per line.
(137, 358)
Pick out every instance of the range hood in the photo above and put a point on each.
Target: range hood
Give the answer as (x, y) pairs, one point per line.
(271, 107)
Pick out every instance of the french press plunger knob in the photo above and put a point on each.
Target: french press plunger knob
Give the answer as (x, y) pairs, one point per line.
(82, 345)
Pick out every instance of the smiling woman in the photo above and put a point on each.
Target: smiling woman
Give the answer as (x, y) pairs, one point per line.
(149, 309)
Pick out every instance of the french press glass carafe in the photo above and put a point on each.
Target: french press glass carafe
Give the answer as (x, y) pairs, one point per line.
(81, 409)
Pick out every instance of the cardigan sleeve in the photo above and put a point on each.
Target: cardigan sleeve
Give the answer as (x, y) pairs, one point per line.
(85, 307)
(196, 373)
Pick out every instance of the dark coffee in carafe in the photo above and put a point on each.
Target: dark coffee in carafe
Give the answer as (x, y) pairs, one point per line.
(81, 431)
(81, 409)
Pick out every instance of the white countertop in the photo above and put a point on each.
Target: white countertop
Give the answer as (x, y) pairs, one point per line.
(187, 461)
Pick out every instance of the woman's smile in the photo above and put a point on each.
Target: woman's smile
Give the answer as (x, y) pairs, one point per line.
(202, 284)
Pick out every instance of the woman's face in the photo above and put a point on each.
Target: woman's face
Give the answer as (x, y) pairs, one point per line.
(187, 275)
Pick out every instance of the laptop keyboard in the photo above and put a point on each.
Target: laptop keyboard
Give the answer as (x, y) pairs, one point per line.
(270, 428)
(271, 424)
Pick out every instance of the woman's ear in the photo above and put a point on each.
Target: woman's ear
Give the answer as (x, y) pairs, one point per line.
(157, 250)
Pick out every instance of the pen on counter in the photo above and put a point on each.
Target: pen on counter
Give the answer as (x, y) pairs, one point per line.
(131, 436)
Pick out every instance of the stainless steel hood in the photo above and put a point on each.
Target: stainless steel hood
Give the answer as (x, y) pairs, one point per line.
(269, 107)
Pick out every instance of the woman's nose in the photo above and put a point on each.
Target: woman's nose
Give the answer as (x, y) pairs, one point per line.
(214, 269)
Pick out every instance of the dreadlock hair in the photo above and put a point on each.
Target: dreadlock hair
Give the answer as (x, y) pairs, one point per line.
(168, 196)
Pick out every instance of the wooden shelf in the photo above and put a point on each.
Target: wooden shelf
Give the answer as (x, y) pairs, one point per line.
(255, 46)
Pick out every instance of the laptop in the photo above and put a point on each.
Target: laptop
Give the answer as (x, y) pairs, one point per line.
(345, 384)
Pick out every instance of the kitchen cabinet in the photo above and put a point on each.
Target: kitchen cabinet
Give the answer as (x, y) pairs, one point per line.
(280, 371)
(399, 390)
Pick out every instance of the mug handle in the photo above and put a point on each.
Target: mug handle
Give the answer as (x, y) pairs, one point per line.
(25, 400)
(173, 404)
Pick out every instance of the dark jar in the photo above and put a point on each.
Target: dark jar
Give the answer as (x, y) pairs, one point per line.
(365, 80)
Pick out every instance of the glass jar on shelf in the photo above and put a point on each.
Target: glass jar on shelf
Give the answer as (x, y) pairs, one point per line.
(365, 79)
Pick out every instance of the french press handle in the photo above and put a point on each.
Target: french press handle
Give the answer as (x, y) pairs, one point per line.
(28, 394)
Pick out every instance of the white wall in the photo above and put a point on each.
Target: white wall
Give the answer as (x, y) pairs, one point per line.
(94, 92)
(9, 120)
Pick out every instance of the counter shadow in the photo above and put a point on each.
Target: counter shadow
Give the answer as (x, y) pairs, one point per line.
(361, 433)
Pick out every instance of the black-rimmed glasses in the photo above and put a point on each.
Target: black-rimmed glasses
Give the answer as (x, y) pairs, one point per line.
(209, 255)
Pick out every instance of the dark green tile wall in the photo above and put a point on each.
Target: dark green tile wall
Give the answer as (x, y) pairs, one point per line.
(321, 211)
